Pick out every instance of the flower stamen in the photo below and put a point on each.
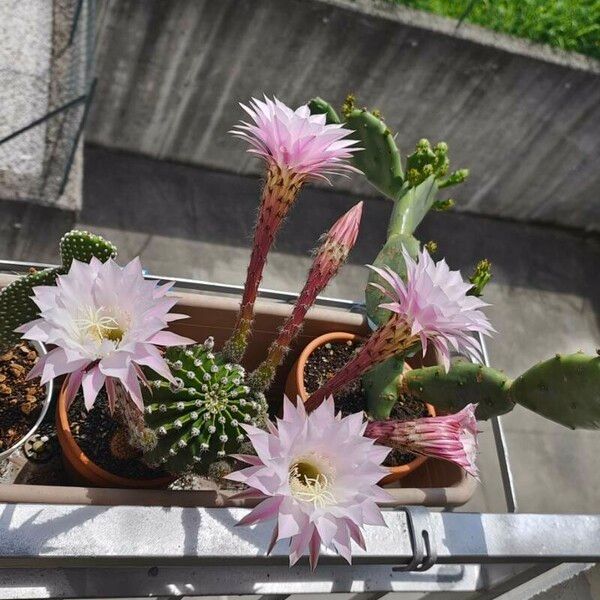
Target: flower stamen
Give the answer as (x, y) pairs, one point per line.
(310, 484)
(99, 326)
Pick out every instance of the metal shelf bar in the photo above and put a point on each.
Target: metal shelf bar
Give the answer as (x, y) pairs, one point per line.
(128, 535)
(204, 286)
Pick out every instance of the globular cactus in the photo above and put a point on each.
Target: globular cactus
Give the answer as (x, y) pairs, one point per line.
(413, 194)
(564, 389)
(197, 420)
(16, 306)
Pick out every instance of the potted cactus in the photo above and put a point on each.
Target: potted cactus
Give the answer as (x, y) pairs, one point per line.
(164, 405)
(23, 402)
(413, 191)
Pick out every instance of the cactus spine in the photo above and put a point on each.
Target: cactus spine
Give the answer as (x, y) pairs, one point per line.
(329, 257)
(564, 389)
(413, 194)
(197, 421)
(16, 306)
(279, 194)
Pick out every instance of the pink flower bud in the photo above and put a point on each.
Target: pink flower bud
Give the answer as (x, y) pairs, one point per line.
(450, 437)
(344, 231)
(330, 256)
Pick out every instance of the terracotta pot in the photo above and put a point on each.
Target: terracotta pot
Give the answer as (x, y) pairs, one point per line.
(294, 387)
(84, 470)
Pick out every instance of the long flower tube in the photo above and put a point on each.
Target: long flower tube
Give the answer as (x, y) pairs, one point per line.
(329, 257)
(296, 146)
(432, 306)
(450, 437)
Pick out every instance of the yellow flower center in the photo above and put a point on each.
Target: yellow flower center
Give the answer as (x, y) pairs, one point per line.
(309, 483)
(100, 325)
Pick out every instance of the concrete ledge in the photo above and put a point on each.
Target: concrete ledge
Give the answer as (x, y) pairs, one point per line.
(525, 119)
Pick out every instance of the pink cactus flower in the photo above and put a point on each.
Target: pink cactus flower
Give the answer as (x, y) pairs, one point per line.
(435, 303)
(106, 322)
(450, 437)
(296, 146)
(432, 306)
(329, 257)
(295, 140)
(318, 475)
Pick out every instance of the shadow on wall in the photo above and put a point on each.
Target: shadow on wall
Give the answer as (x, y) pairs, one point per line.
(135, 193)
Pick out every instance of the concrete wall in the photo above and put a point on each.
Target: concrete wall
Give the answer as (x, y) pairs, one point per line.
(524, 119)
(39, 73)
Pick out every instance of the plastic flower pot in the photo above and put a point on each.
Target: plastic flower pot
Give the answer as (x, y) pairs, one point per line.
(294, 388)
(41, 349)
(83, 470)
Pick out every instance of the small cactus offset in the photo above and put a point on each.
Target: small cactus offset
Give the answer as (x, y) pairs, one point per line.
(16, 306)
(197, 420)
(83, 246)
(564, 389)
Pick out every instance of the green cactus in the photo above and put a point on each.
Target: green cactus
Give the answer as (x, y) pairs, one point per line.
(481, 277)
(83, 246)
(197, 421)
(464, 383)
(564, 389)
(413, 194)
(16, 306)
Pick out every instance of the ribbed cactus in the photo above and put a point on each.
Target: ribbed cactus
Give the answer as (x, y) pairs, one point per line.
(16, 306)
(197, 420)
(413, 194)
(564, 389)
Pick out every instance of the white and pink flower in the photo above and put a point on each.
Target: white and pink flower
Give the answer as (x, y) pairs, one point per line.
(318, 474)
(435, 303)
(449, 437)
(105, 322)
(295, 140)
(432, 306)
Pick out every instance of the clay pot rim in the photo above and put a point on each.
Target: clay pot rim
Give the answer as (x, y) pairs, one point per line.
(395, 472)
(85, 466)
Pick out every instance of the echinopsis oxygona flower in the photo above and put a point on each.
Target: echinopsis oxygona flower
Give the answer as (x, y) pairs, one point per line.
(106, 322)
(318, 475)
(329, 257)
(432, 306)
(296, 146)
(449, 437)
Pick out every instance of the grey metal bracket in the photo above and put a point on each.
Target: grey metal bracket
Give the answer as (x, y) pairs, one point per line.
(421, 539)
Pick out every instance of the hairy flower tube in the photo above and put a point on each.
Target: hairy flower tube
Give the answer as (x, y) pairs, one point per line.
(329, 257)
(433, 306)
(318, 476)
(295, 146)
(106, 322)
(450, 437)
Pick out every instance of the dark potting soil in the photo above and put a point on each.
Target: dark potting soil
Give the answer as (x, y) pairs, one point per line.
(104, 440)
(325, 361)
(21, 401)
